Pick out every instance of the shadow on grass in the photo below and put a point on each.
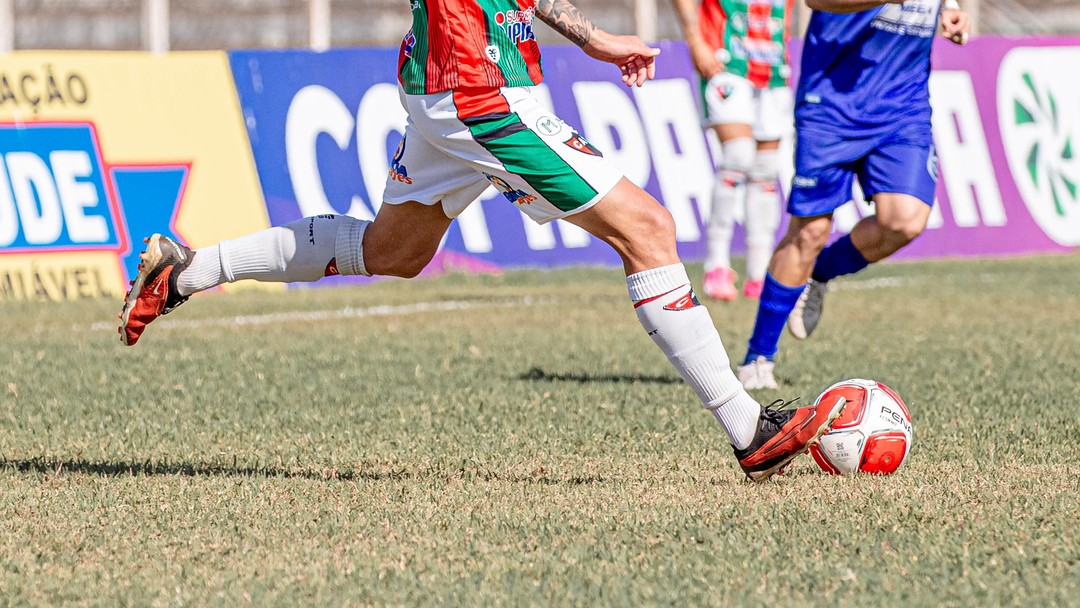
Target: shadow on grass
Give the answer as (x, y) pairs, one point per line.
(184, 469)
(536, 373)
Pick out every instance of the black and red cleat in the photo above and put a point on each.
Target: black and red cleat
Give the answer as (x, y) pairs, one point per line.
(153, 292)
(783, 434)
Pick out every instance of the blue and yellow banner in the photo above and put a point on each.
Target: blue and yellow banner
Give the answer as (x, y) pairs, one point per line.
(98, 150)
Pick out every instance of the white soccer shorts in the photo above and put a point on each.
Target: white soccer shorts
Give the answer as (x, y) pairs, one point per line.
(539, 163)
(731, 99)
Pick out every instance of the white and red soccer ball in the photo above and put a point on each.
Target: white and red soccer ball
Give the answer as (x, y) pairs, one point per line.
(873, 434)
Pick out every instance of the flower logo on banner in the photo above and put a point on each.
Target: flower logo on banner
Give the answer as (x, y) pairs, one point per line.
(1040, 116)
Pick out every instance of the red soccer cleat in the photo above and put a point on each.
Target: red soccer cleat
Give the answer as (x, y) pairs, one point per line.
(784, 434)
(153, 292)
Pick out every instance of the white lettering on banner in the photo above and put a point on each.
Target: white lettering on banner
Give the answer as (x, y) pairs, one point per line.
(683, 168)
(961, 145)
(76, 196)
(313, 111)
(473, 225)
(44, 202)
(605, 111)
(9, 218)
(380, 114)
(29, 174)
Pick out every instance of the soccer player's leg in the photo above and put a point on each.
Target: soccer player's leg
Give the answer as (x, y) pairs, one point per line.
(820, 185)
(400, 242)
(771, 124)
(764, 439)
(728, 102)
(900, 176)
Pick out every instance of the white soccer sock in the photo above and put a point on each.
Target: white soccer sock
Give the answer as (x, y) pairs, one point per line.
(762, 214)
(721, 226)
(670, 313)
(738, 156)
(304, 250)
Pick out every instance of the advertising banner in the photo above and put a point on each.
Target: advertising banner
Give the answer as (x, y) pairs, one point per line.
(325, 125)
(98, 150)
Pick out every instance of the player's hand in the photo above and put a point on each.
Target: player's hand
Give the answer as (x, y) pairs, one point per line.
(956, 26)
(705, 61)
(635, 59)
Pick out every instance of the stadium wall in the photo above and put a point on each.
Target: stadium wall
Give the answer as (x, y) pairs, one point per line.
(100, 149)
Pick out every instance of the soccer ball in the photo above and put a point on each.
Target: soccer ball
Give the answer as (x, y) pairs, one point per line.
(873, 434)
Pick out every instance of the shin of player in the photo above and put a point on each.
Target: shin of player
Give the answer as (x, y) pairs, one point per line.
(878, 132)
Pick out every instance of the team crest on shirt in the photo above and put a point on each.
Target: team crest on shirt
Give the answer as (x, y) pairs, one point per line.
(493, 53)
(518, 197)
(408, 43)
(398, 172)
(518, 25)
(582, 145)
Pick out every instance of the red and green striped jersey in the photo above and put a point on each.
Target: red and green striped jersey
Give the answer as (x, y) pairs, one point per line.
(750, 37)
(471, 45)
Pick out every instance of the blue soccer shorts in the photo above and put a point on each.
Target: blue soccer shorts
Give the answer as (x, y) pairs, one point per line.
(901, 161)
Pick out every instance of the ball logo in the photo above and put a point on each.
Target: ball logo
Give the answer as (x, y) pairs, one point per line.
(1036, 110)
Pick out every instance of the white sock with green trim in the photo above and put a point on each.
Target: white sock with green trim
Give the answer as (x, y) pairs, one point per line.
(305, 250)
(671, 314)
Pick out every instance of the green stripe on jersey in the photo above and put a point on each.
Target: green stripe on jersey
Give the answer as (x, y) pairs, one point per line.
(511, 64)
(414, 72)
(525, 154)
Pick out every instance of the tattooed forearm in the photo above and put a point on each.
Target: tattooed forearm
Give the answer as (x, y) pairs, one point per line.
(566, 19)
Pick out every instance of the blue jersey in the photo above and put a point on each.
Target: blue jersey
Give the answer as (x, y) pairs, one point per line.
(867, 71)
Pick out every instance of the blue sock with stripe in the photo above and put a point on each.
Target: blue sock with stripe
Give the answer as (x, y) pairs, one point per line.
(838, 259)
(776, 303)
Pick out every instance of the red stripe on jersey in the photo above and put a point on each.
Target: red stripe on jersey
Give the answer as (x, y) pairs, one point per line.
(712, 20)
(479, 102)
(530, 51)
(758, 14)
(458, 40)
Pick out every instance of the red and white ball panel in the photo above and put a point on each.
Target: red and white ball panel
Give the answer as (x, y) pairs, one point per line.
(873, 433)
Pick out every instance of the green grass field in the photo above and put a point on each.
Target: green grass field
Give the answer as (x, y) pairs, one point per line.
(531, 446)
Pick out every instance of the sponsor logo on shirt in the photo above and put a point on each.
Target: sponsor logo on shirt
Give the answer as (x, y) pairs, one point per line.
(409, 43)
(517, 24)
(912, 18)
(801, 181)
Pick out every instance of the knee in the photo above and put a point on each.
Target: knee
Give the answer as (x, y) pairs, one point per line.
(811, 236)
(902, 230)
(657, 220)
(402, 260)
(737, 161)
